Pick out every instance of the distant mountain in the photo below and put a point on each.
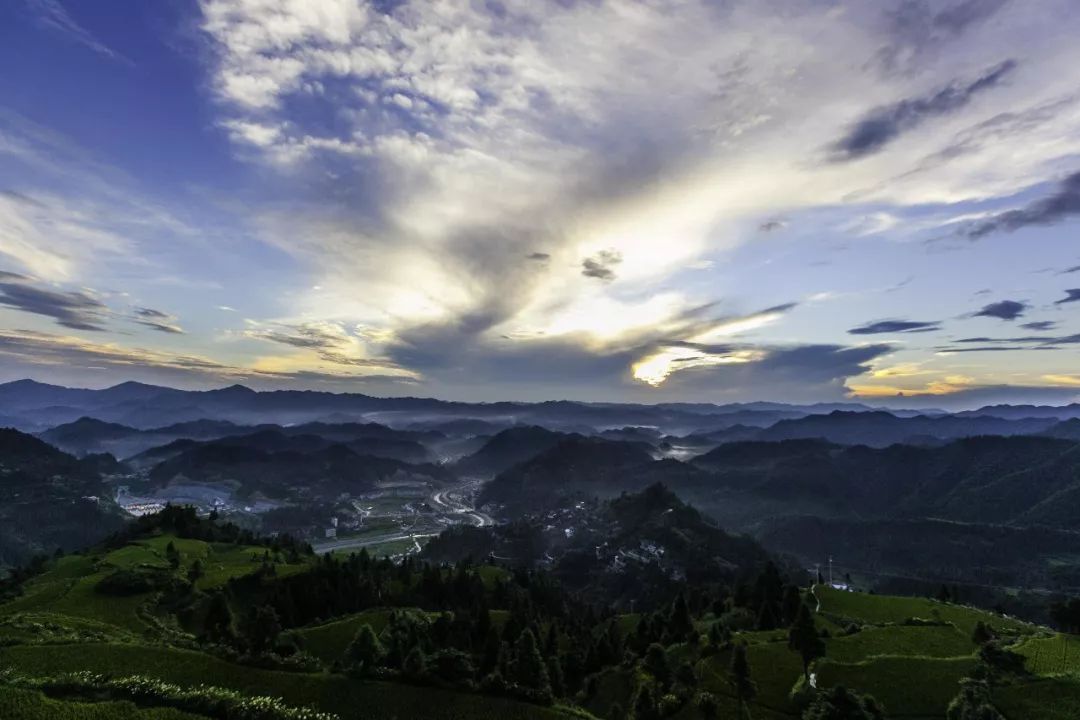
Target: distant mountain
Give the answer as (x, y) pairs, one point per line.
(87, 435)
(1065, 430)
(281, 466)
(572, 464)
(881, 429)
(508, 448)
(1020, 412)
(147, 406)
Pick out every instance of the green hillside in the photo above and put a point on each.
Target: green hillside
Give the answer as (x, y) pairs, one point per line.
(136, 612)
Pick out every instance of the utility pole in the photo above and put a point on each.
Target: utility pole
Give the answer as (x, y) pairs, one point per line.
(830, 571)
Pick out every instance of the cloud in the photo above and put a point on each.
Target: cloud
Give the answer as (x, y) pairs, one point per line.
(539, 256)
(1040, 325)
(1072, 296)
(895, 326)
(52, 14)
(1067, 271)
(331, 342)
(601, 265)
(158, 320)
(1060, 205)
(1003, 310)
(31, 351)
(772, 225)
(883, 125)
(75, 310)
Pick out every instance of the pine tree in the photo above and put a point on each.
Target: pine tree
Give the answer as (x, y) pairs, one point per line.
(555, 675)
(679, 623)
(219, 619)
(804, 639)
(745, 689)
(790, 606)
(365, 652)
(839, 703)
(172, 555)
(527, 669)
(656, 664)
(645, 706)
(981, 634)
(708, 706)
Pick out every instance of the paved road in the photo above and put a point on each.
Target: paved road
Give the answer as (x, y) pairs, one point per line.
(449, 502)
(356, 543)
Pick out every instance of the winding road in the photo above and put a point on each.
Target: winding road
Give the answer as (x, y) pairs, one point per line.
(452, 503)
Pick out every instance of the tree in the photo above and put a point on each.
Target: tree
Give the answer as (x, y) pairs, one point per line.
(790, 606)
(803, 638)
(365, 652)
(555, 675)
(745, 689)
(839, 703)
(973, 702)
(527, 669)
(656, 664)
(943, 594)
(260, 628)
(195, 572)
(679, 623)
(981, 634)
(645, 705)
(707, 706)
(219, 619)
(172, 555)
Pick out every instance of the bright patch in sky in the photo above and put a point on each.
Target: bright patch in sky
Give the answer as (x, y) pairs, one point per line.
(534, 199)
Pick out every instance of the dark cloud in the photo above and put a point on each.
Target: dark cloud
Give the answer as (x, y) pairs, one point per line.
(960, 17)
(75, 310)
(6, 276)
(1040, 325)
(601, 265)
(800, 373)
(883, 125)
(895, 326)
(772, 225)
(1063, 203)
(1071, 296)
(1073, 269)
(158, 320)
(920, 28)
(1023, 342)
(330, 342)
(539, 256)
(1003, 310)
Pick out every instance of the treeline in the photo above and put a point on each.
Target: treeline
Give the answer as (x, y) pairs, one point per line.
(184, 522)
(487, 628)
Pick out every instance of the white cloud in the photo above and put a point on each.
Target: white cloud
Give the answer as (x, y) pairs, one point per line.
(651, 130)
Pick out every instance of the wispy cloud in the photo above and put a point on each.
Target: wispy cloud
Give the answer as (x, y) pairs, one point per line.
(885, 124)
(53, 14)
(895, 326)
(1063, 203)
(75, 310)
(1071, 296)
(1003, 310)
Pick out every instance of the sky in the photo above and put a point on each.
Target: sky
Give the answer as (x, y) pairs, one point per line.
(643, 201)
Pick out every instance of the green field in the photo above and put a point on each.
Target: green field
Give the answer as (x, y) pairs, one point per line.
(32, 705)
(909, 653)
(328, 641)
(347, 697)
(1052, 655)
(882, 609)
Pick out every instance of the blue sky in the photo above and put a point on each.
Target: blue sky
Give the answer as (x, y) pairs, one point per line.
(646, 201)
